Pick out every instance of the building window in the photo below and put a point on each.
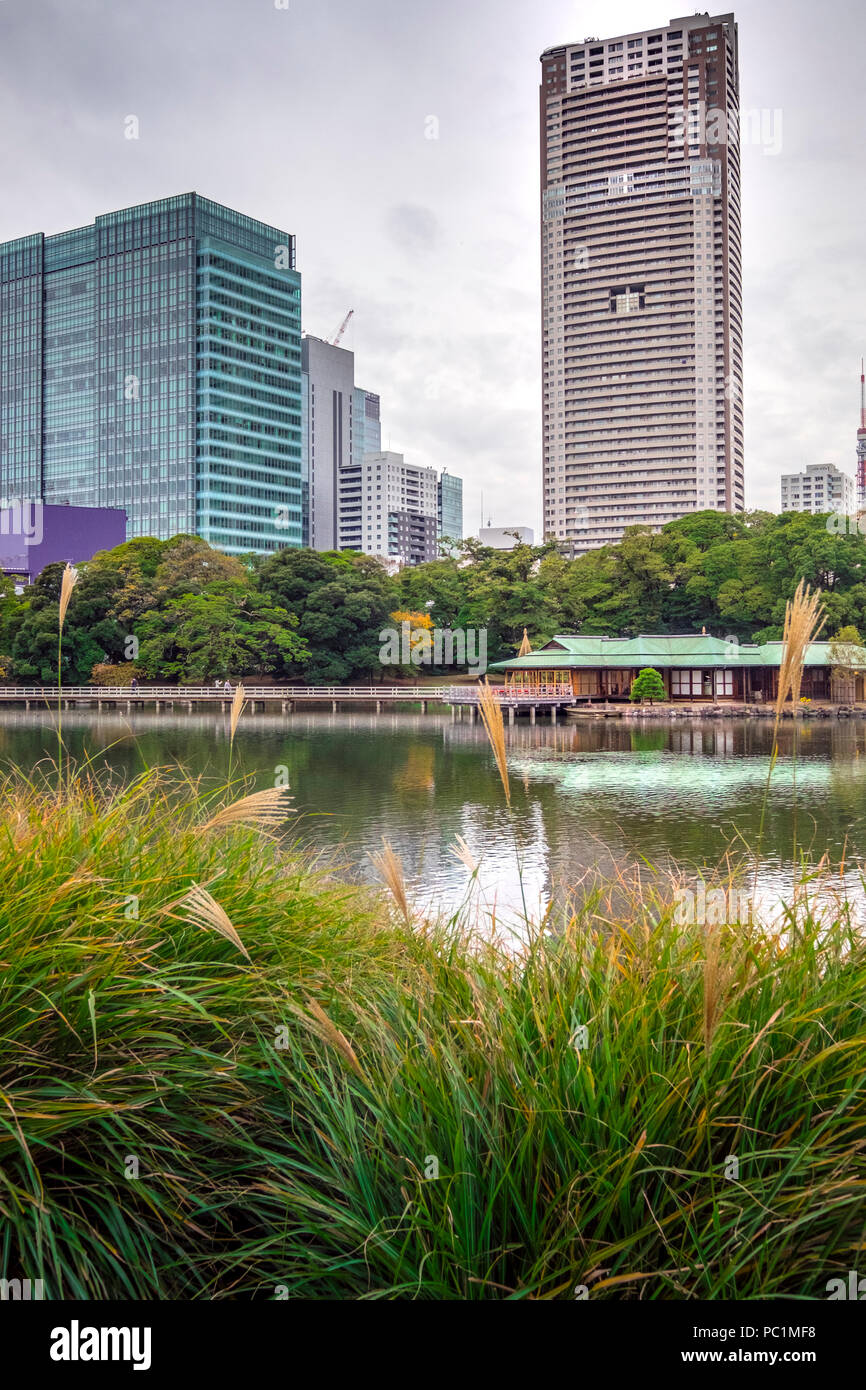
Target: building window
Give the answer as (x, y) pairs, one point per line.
(627, 299)
(686, 683)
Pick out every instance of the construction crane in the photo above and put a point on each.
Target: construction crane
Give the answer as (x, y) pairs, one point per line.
(341, 330)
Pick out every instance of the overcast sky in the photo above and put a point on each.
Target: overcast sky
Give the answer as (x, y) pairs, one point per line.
(316, 118)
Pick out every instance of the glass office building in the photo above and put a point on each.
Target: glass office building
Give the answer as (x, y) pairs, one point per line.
(152, 361)
(366, 424)
(449, 506)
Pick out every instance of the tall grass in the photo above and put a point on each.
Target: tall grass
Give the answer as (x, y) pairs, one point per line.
(352, 1108)
(804, 620)
(67, 584)
(490, 710)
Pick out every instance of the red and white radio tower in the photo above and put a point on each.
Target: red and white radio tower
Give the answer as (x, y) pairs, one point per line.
(861, 446)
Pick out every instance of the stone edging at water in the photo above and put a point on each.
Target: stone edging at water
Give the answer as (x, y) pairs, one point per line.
(668, 711)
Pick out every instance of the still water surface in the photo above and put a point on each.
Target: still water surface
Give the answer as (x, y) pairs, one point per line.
(588, 798)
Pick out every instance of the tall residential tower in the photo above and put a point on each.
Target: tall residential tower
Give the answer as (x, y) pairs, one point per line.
(152, 362)
(641, 311)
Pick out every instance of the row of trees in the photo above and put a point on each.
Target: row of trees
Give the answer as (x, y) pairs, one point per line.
(731, 574)
(181, 611)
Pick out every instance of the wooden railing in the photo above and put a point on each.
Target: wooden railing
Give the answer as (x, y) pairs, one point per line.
(210, 694)
(218, 693)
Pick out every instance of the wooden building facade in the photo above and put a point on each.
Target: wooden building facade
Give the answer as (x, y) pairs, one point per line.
(695, 668)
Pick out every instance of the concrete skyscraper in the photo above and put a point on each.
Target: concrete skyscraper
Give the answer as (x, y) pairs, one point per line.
(641, 302)
(152, 362)
(328, 410)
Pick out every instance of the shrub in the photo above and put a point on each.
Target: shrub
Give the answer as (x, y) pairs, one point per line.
(648, 685)
(119, 673)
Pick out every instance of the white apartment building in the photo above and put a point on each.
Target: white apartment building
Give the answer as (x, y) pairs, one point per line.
(397, 503)
(821, 488)
(640, 266)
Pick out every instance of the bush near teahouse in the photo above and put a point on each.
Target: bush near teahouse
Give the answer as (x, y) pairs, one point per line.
(648, 685)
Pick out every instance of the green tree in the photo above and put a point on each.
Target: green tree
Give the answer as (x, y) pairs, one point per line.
(438, 588)
(847, 653)
(13, 610)
(229, 630)
(342, 601)
(648, 685)
(90, 634)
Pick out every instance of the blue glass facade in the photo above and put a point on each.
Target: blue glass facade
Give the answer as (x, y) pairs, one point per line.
(366, 424)
(450, 506)
(21, 368)
(152, 362)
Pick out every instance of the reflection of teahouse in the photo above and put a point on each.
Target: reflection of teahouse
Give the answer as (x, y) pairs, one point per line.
(694, 667)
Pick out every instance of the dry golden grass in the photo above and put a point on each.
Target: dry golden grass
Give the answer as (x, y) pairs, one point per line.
(390, 866)
(70, 579)
(715, 985)
(804, 620)
(201, 909)
(463, 854)
(264, 810)
(238, 701)
(491, 714)
(337, 1039)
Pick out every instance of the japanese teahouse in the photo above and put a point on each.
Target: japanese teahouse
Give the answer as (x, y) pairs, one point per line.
(694, 667)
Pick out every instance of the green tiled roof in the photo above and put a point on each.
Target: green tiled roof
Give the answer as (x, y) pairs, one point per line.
(691, 649)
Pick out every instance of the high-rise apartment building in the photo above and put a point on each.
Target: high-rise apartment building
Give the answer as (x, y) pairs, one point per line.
(398, 509)
(822, 488)
(641, 312)
(152, 362)
(366, 439)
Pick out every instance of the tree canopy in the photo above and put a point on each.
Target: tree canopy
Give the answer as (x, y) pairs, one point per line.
(184, 611)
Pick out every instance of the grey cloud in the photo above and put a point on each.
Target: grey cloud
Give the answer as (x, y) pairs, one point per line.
(313, 118)
(413, 228)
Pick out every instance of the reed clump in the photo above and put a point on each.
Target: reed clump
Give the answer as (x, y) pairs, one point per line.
(351, 1107)
(491, 716)
(804, 622)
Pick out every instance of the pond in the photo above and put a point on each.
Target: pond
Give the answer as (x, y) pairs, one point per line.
(589, 799)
